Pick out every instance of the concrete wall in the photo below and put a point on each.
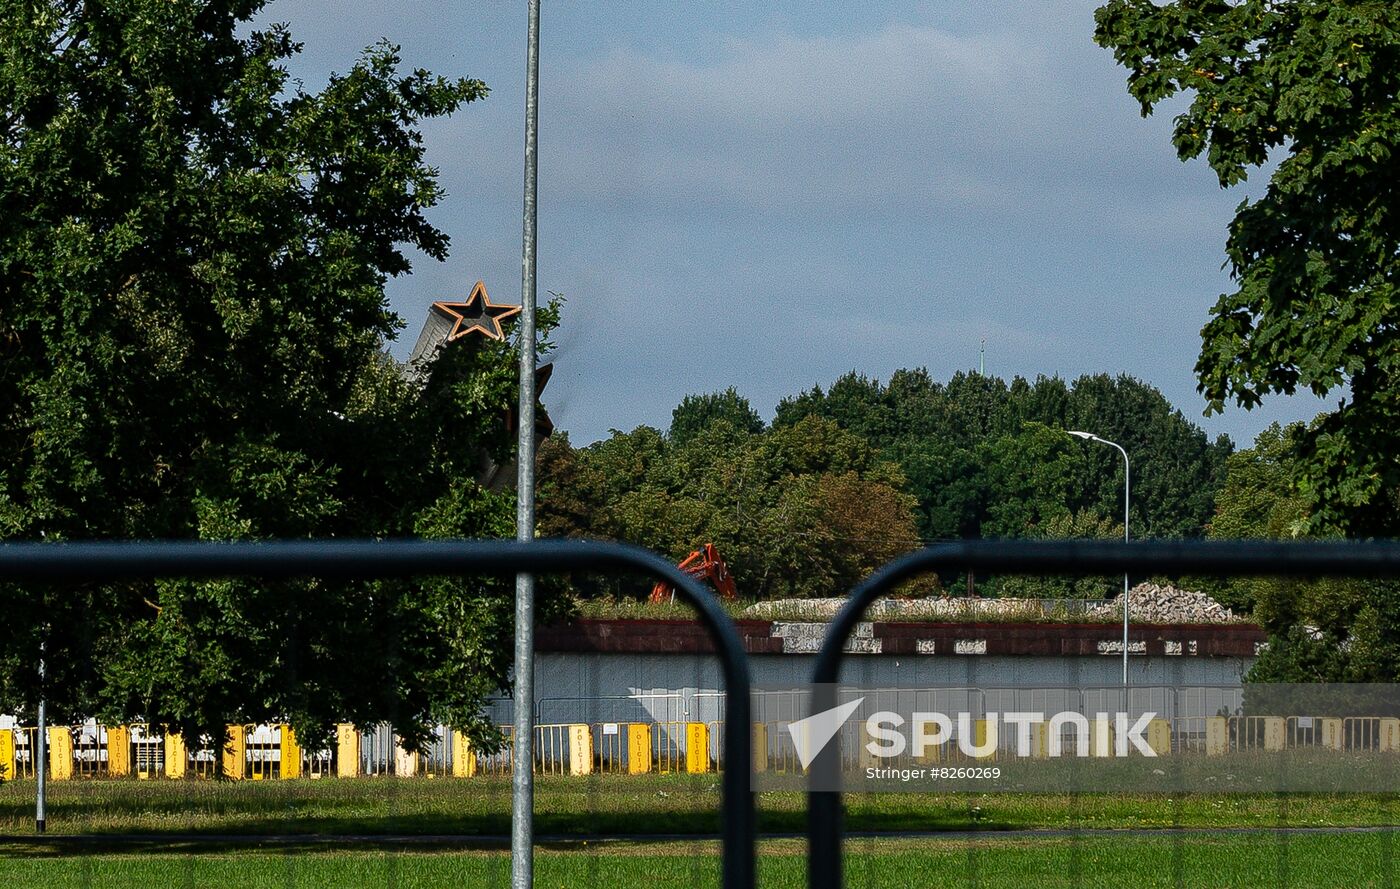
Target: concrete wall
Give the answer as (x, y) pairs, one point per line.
(599, 686)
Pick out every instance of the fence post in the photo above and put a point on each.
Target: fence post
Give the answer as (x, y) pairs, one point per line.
(290, 764)
(760, 747)
(233, 756)
(347, 751)
(60, 753)
(638, 748)
(118, 751)
(1275, 733)
(580, 750)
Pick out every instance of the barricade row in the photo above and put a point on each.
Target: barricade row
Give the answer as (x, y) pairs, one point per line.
(271, 752)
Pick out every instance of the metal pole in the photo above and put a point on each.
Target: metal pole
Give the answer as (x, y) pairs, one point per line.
(1127, 487)
(523, 761)
(1127, 483)
(40, 750)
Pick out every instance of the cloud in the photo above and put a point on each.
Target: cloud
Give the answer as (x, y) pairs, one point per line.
(902, 120)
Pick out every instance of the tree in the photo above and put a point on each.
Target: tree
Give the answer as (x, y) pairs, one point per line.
(1259, 497)
(193, 252)
(948, 440)
(802, 510)
(1315, 260)
(1082, 525)
(696, 412)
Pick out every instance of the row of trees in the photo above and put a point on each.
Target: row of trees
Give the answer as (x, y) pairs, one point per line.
(193, 252)
(804, 510)
(849, 477)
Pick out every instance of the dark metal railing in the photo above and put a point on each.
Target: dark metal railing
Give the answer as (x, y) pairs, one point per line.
(79, 562)
(824, 823)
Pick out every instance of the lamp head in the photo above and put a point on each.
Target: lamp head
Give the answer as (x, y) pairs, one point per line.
(1084, 435)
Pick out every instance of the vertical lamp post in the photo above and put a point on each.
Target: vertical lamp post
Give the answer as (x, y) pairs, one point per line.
(1127, 482)
(522, 813)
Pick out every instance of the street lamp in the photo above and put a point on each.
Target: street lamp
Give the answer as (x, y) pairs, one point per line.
(1127, 482)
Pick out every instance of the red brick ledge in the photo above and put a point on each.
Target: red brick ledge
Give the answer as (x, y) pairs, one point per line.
(925, 639)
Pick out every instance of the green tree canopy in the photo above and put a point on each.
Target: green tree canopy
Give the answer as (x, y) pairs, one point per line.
(805, 510)
(1309, 87)
(977, 465)
(695, 413)
(193, 252)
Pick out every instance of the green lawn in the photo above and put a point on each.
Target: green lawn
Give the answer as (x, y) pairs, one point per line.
(619, 804)
(1354, 860)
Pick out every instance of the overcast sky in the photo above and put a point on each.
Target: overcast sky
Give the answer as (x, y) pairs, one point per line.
(767, 195)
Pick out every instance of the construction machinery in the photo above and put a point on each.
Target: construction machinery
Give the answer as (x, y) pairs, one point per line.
(704, 564)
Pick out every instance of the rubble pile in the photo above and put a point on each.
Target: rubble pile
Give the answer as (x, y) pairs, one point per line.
(1156, 604)
(1149, 603)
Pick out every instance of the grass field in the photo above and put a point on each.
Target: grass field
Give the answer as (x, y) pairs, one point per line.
(618, 804)
(582, 812)
(1353, 860)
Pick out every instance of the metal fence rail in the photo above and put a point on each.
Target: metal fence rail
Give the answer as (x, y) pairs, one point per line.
(108, 561)
(669, 743)
(824, 824)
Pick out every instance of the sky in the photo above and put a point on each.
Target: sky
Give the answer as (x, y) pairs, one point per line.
(767, 196)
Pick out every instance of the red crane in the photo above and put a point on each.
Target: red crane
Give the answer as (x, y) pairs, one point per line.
(704, 564)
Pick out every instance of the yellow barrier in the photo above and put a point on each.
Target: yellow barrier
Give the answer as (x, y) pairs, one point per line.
(118, 751)
(864, 756)
(697, 748)
(638, 748)
(1332, 737)
(60, 753)
(176, 756)
(580, 750)
(1217, 736)
(1100, 737)
(347, 751)
(405, 763)
(932, 752)
(1390, 735)
(1040, 740)
(1159, 737)
(233, 757)
(463, 759)
(290, 764)
(7, 755)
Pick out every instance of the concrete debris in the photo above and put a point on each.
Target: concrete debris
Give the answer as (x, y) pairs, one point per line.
(1154, 604)
(1150, 603)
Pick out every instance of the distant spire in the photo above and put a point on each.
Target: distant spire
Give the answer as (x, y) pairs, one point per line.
(982, 359)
